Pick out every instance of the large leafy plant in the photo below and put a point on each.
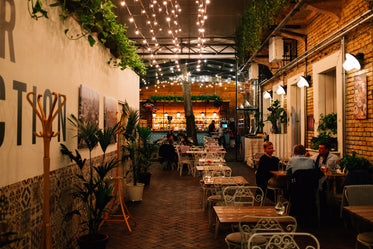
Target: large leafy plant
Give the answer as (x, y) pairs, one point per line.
(328, 129)
(92, 188)
(138, 148)
(353, 162)
(277, 115)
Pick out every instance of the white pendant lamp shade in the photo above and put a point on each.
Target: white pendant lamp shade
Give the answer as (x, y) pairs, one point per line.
(267, 95)
(280, 90)
(302, 82)
(351, 63)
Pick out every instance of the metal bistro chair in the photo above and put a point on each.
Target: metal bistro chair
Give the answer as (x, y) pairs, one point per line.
(281, 224)
(243, 196)
(359, 195)
(184, 159)
(283, 240)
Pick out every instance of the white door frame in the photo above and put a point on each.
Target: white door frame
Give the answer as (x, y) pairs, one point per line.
(330, 62)
(291, 103)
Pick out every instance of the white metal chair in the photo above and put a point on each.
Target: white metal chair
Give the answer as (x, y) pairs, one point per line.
(184, 159)
(283, 224)
(282, 240)
(243, 196)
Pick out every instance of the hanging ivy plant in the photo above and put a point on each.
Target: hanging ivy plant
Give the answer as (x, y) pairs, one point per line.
(96, 16)
(258, 16)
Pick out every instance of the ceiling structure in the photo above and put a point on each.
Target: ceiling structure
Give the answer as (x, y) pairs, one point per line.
(197, 33)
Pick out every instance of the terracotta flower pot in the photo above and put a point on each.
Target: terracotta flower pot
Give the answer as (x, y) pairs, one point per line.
(98, 242)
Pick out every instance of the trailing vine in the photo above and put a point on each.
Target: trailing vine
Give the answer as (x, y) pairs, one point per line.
(258, 16)
(96, 16)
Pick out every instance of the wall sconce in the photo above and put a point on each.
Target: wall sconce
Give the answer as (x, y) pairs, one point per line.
(202, 114)
(267, 94)
(166, 114)
(353, 62)
(154, 114)
(241, 107)
(178, 114)
(281, 90)
(303, 81)
(214, 114)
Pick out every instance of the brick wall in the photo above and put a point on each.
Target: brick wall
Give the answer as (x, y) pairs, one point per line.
(359, 133)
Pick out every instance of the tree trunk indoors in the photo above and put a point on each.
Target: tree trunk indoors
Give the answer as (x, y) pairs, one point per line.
(189, 116)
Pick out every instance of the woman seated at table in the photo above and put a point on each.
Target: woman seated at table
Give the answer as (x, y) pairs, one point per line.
(299, 161)
(267, 163)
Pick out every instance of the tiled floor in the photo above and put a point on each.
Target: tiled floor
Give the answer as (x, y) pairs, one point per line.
(170, 216)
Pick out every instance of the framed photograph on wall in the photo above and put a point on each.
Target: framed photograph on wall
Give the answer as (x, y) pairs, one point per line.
(360, 97)
(89, 107)
(110, 111)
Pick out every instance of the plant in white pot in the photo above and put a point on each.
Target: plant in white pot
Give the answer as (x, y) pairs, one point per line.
(132, 152)
(93, 188)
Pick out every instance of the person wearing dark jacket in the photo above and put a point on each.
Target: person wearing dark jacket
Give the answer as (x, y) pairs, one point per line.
(267, 163)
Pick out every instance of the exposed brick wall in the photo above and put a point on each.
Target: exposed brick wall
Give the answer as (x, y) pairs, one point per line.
(359, 133)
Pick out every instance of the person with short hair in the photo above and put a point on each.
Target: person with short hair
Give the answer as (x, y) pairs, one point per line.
(299, 161)
(211, 127)
(326, 159)
(267, 163)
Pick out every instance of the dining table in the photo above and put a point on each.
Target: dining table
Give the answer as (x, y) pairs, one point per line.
(364, 213)
(214, 167)
(233, 214)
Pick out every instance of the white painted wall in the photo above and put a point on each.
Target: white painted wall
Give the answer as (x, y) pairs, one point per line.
(46, 59)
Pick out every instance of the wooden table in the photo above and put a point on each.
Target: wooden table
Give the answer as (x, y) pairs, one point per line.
(363, 212)
(214, 167)
(235, 180)
(233, 214)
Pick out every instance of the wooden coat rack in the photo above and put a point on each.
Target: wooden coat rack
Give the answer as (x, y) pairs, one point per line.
(46, 134)
(117, 186)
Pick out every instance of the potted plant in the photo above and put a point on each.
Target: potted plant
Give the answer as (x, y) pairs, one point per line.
(328, 129)
(359, 170)
(146, 149)
(131, 153)
(276, 116)
(93, 188)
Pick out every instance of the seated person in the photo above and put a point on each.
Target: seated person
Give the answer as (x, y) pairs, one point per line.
(267, 163)
(167, 152)
(325, 159)
(304, 182)
(299, 161)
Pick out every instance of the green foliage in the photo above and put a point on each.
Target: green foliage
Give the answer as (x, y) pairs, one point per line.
(180, 98)
(96, 16)
(138, 147)
(258, 16)
(36, 9)
(328, 128)
(276, 116)
(328, 123)
(95, 189)
(354, 162)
